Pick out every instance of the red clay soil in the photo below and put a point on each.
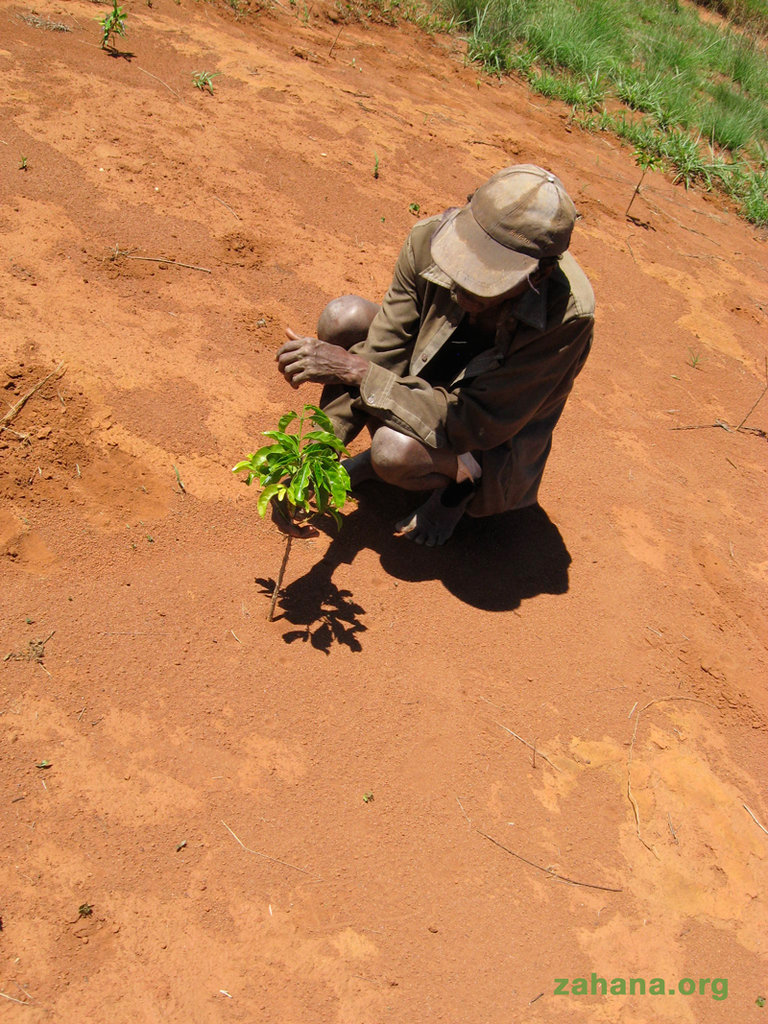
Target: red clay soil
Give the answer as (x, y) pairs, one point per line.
(441, 779)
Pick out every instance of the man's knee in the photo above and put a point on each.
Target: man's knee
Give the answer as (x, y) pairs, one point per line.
(346, 320)
(395, 455)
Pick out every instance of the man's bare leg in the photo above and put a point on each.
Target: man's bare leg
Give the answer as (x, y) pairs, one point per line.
(346, 320)
(407, 463)
(360, 468)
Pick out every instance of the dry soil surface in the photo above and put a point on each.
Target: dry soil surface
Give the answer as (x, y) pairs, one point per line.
(440, 779)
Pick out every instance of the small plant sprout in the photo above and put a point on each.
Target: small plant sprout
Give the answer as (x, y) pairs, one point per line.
(646, 161)
(695, 359)
(112, 25)
(204, 80)
(23, 164)
(375, 165)
(85, 910)
(299, 472)
(179, 481)
(414, 208)
(367, 798)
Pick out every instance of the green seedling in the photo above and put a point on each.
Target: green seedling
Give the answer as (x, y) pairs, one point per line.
(375, 165)
(300, 473)
(367, 798)
(694, 360)
(112, 25)
(23, 164)
(414, 208)
(204, 80)
(760, 1001)
(84, 910)
(179, 481)
(646, 161)
(44, 764)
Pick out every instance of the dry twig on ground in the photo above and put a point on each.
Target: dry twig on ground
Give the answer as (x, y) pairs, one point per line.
(547, 871)
(13, 412)
(531, 746)
(630, 794)
(759, 824)
(266, 856)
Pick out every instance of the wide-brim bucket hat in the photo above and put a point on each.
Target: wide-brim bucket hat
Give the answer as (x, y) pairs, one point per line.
(523, 214)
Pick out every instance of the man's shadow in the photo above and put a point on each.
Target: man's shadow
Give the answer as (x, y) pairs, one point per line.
(493, 563)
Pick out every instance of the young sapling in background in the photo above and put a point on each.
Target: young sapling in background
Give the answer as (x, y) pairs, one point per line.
(204, 80)
(301, 472)
(112, 24)
(646, 161)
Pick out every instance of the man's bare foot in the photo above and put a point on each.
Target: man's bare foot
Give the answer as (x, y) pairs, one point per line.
(359, 468)
(432, 523)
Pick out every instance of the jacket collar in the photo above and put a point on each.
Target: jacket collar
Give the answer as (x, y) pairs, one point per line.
(530, 307)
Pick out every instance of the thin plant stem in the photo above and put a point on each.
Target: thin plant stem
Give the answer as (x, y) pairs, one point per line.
(276, 591)
(635, 193)
(759, 400)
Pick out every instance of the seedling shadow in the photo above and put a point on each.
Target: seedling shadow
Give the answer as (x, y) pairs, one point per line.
(326, 614)
(644, 224)
(112, 51)
(494, 564)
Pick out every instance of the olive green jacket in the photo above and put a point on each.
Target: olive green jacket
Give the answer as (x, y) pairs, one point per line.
(504, 404)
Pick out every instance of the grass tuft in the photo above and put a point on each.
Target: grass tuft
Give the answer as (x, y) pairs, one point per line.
(696, 95)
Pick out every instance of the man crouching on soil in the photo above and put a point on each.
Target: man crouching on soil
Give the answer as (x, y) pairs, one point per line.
(461, 375)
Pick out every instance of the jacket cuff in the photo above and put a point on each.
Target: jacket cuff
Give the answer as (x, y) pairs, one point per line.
(376, 387)
(383, 395)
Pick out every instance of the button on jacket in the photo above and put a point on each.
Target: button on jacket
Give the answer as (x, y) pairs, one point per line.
(503, 406)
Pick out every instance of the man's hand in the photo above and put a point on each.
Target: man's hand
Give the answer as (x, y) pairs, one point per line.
(308, 359)
(287, 524)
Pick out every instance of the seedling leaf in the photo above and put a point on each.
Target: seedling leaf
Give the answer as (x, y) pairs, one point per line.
(204, 80)
(320, 419)
(285, 420)
(269, 492)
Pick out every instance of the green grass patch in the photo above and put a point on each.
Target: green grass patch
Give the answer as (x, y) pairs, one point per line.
(696, 93)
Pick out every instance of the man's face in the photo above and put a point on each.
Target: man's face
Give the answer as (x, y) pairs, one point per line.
(475, 305)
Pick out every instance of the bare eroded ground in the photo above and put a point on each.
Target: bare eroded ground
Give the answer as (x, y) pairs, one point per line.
(206, 771)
